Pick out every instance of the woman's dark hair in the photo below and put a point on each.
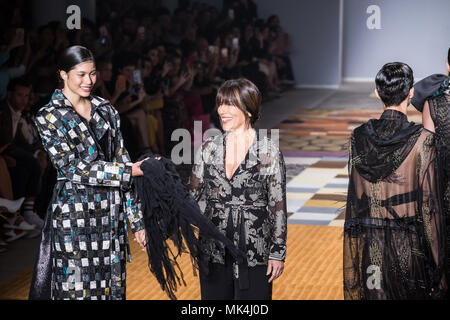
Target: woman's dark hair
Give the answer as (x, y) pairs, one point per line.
(448, 56)
(393, 83)
(72, 56)
(242, 94)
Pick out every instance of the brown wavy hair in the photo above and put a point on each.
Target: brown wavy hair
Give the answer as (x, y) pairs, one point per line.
(244, 95)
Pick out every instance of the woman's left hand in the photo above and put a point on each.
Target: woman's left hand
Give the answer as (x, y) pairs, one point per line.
(141, 238)
(275, 267)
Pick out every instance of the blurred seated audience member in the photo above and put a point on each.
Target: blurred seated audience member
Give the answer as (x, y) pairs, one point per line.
(266, 63)
(9, 40)
(105, 87)
(175, 77)
(128, 103)
(103, 47)
(43, 61)
(23, 153)
(205, 87)
(153, 103)
(248, 62)
(279, 49)
(241, 11)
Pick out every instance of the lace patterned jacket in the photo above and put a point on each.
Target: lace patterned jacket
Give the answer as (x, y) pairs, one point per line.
(250, 208)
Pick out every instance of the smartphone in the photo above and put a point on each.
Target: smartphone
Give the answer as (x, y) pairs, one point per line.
(224, 52)
(235, 43)
(121, 81)
(103, 41)
(137, 76)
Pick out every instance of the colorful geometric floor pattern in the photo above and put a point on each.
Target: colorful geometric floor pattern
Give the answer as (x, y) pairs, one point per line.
(316, 142)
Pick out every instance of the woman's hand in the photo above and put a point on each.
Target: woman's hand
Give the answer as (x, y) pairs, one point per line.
(141, 238)
(136, 168)
(275, 267)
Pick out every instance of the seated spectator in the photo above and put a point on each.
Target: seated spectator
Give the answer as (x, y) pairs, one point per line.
(205, 87)
(8, 42)
(266, 63)
(175, 78)
(104, 86)
(279, 49)
(12, 225)
(23, 151)
(43, 61)
(151, 77)
(128, 103)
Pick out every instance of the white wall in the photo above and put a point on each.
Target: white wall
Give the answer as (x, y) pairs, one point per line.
(314, 30)
(412, 31)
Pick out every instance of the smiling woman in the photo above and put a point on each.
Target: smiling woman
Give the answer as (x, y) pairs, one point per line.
(85, 239)
(242, 177)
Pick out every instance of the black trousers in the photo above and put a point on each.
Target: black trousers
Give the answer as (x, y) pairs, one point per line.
(220, 284)
(26, 175)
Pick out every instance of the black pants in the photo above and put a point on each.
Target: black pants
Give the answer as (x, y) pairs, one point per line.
(26, 175)
(220, 284)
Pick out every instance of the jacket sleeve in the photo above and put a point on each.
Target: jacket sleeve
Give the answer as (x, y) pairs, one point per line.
(275, 172)
(132, 206)
(78, 170)
(196, 182)
(431, 213)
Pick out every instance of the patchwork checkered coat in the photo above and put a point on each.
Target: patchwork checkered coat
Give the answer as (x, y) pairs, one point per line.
(92, 200)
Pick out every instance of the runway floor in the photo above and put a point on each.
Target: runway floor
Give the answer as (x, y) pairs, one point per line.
(312, 271)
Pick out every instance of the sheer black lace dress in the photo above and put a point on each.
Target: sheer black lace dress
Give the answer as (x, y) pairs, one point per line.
(394, 233)
(435, 89)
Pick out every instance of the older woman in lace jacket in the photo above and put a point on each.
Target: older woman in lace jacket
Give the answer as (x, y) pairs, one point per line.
(241, 176)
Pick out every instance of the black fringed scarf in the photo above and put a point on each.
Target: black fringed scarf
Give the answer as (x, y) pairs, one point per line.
(170, 212)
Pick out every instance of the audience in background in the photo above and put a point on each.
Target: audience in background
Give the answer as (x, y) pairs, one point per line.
(160, 70)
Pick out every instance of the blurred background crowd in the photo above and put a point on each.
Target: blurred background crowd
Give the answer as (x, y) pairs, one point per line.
(160, 70)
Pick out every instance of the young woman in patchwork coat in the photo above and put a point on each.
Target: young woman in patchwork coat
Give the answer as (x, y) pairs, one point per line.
(84, 242)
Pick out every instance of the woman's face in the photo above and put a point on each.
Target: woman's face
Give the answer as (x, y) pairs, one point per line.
(232, 118)
(153, 55)
(81, 79)
(147, 69)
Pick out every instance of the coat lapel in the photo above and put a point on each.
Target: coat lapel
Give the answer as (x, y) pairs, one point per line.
(72, 119)
(101, 125)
